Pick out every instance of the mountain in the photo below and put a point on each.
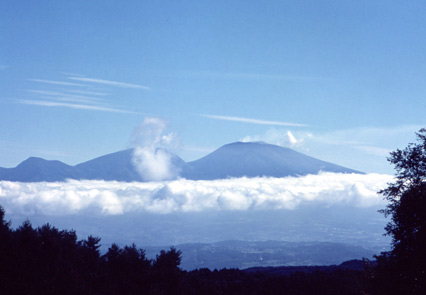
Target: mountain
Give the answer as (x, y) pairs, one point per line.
(37, 169)
(116, 166)
(253, 159)
(250, 159)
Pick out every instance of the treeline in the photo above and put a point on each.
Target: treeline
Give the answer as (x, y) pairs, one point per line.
(46, 260)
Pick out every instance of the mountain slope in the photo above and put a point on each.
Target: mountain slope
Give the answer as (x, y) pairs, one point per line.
(37, 169)
(116, 166)
(253, 159)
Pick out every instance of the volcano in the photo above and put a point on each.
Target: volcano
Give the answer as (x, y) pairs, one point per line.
(238, 159)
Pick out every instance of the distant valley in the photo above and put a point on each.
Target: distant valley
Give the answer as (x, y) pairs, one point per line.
(243, 254)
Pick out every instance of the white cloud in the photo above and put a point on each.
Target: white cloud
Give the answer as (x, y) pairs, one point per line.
(251, 121)
(113, 198)
(293, 141)
(373, 150)
(374, 137)
(151, 157)
(61, 83)
(88, 92)
(249, 76)
(280, 137)
(109, 82)
(154, 164)
(65, 96)
(73, 106)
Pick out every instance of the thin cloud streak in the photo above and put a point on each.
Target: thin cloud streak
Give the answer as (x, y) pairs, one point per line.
(374, 150)
(109, 82)
(55, 82)
(256, 76)
(251, 121)
(250, 76)
(61, 96)
(73, 106)
(88, 92)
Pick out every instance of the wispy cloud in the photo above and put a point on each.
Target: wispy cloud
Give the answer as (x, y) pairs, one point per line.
(250, 76)
(262, 76)
(279, 137)
(252, 121)
(73, 106)
(373, 140)
(109, 82)
(374, 150)
(88, 92)
(76, 93)
(65, 96)
(60, 83)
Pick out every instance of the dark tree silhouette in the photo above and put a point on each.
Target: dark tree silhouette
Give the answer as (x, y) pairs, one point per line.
(49, 261)
(404, 267)
(166, 272)
(127, 270)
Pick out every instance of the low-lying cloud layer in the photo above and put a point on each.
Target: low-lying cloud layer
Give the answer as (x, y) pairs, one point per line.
(112, 198)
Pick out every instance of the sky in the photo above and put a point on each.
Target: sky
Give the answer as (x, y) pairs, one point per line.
(343, 81)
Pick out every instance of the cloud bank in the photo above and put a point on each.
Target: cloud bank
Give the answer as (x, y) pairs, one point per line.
(115, 198)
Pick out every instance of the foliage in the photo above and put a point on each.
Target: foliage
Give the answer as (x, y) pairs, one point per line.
(403, 269)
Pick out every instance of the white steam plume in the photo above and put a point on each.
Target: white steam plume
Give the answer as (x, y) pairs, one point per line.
(150, 156)
(114, 198)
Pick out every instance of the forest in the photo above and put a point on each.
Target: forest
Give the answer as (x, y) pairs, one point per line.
(47, 260)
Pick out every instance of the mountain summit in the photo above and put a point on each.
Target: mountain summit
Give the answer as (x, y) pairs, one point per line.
(252, 159)
(238, 159)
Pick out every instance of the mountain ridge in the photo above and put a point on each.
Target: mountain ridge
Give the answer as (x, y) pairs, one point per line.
(238, 159)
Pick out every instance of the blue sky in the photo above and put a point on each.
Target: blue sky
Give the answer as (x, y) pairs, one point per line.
(343, 81)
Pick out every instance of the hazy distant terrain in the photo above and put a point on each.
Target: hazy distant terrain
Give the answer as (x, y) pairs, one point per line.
(242, 255)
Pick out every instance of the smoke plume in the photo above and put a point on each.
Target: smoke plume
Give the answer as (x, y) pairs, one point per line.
(151, 157)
